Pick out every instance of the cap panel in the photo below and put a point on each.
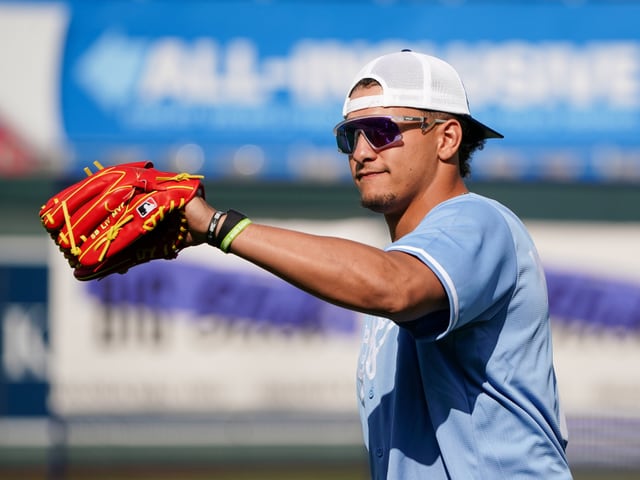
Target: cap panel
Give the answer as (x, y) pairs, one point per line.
(414, 80)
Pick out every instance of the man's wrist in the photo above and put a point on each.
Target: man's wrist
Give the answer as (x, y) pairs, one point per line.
(225, 228)
(214, 225)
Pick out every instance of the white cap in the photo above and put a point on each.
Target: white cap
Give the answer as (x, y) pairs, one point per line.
(415, 80)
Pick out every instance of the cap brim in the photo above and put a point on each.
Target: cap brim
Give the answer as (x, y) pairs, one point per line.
(487, 132)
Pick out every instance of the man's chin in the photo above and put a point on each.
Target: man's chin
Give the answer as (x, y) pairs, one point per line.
(377, 204)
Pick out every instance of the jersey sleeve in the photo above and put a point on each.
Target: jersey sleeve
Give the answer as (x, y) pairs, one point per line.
(467, 243)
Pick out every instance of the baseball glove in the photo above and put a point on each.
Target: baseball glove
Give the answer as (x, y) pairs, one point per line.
(119, 217)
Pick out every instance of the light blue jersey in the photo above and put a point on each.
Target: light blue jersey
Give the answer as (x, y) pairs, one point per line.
(467, 393)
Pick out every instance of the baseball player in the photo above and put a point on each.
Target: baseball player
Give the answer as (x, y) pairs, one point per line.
(455, 377)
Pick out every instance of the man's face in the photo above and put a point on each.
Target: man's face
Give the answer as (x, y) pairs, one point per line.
(389, 179)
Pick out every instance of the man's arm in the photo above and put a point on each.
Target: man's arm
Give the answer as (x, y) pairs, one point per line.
(394, 285)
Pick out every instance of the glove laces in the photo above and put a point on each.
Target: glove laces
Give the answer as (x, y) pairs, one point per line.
(75, 250)
(110, 235)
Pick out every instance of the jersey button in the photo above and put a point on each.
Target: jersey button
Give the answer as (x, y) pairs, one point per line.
(379, 452)
(370, 394)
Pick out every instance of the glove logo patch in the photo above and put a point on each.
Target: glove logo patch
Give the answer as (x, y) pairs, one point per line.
(146, 207)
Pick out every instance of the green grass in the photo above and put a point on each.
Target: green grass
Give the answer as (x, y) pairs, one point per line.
(189, 463)
(270, 472)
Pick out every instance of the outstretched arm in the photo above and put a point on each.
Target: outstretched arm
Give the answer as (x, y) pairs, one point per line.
(347, 273)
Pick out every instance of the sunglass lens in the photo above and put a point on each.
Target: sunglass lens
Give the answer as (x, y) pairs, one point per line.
(344, 145)
(380, 132)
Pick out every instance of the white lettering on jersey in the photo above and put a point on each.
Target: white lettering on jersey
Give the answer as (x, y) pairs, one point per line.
(375, 333)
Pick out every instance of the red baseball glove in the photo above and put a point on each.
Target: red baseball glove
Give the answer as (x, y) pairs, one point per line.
(119, 217)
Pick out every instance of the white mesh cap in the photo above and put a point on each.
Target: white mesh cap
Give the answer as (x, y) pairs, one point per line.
(415, 80)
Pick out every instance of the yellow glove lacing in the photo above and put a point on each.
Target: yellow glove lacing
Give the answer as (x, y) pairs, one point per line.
(111, 235)
(75, 250)
(180, 177)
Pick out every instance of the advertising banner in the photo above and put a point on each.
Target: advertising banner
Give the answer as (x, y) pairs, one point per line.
(253, 89)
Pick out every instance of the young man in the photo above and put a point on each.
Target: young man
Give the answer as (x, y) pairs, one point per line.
(455, 377)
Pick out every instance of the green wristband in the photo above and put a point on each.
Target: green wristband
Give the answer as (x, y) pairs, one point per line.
(231, 236)
(231, 219)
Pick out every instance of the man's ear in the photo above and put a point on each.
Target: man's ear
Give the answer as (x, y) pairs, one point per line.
(449, 139)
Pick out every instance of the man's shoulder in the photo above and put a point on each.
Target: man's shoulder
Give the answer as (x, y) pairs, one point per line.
(470, 209)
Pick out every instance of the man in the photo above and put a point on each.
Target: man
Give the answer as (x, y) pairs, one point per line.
(455, 377)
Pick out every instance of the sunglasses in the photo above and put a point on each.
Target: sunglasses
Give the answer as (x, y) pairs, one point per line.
(380, 131)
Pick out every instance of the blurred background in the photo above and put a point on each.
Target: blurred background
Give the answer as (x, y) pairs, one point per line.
(206, 367)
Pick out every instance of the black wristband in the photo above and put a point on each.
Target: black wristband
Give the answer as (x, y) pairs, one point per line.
(213, 226)
(231, 220)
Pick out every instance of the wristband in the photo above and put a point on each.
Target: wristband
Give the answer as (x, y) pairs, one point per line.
(231, 220)
(235, 231)
(213, 226)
